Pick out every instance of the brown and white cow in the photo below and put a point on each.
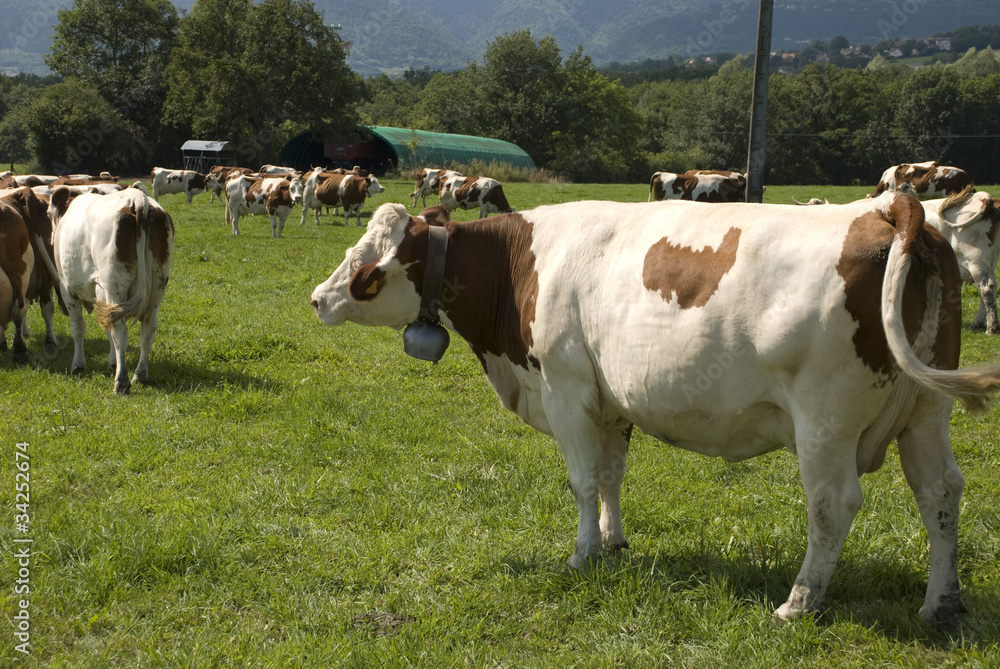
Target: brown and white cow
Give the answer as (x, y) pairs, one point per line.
(344, 190)
(188, 182)
(43, 277)
(925, 181)
(698, 185)
(113, 255)
(274, 196)
(691, 323)
(17, 262)
(222, 173)
(471, 192)
(429, 182)
(310, 181)
(970, 221)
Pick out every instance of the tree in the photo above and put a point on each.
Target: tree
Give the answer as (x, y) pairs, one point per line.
(120, 46)
(253, 73)
(72, 128)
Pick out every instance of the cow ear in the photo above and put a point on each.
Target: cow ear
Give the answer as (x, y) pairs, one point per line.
(367, 281)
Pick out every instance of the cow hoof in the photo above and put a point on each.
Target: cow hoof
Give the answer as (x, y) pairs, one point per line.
(123, 388)
(945, 613)
(76, 371)
(19, 357)
(615, 548)
(51, 346)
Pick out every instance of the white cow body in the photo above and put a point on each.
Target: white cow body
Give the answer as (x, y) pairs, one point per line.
(970, 221)
(725, 329)
(112, 254)
(189, 182)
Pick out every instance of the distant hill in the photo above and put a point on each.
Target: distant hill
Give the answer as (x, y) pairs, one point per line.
(392, 35)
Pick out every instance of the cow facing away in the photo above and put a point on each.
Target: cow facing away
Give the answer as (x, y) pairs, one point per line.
(274, 196)
(925, 181)
(688, 321)
(970, 221)
(189, 182)
(471, 192)
(113, 256)
(344, 190)
(17, 262)
(698, 185)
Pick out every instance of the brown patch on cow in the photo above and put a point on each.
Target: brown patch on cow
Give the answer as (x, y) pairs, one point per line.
(13, 247)
(490, 283)
(34, 213)
(862, 265)
(60, 200)
(126, 237)
(693, 276)
(656, 186)
(436, 215)
(468, 192)
(367, 281)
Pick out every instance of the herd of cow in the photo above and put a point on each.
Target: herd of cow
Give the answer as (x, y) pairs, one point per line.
(726, 328)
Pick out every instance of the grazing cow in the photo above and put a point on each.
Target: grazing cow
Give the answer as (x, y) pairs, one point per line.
(429, 182)
(17, 263)
(43, 277)
(698, 185)
(925, 181)
(688, 321)
(188, 182)
(970, 221)
(222, 174)
(274, 196)
(347, 190)
(470, 192)
(113, 256)
(812, 200)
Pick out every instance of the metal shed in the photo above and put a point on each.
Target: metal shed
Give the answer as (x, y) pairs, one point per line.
(200, 155)
(379, 148)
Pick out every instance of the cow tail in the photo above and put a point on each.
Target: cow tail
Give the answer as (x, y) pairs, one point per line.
(971, 385)
(107, 313)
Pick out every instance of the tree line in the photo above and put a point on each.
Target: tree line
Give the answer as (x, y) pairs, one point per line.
(259, 73)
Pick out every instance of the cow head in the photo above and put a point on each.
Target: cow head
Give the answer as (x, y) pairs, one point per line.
(372, 185)
(371, 286)
(295, 189)
(212, 181)
(969, 206)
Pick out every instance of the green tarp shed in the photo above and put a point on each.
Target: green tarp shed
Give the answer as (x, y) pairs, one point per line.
(378, 148)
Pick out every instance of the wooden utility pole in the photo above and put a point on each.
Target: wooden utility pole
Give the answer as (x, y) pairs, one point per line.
(758, 112)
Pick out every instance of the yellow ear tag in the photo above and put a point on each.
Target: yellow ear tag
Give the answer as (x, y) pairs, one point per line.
(372, 289)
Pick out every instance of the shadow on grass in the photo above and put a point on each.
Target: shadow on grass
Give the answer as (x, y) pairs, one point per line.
(171, 374)
(880, 595)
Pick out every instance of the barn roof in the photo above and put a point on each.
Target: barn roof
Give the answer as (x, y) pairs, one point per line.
(207, 145)
(379, 148)
(419, 147)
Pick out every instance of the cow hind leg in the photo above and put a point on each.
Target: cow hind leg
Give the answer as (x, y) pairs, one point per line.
(147, 332)
(19, 348)
(610, 473)
(118, 340)
(78, 329)
(827, 464)
(930, 469)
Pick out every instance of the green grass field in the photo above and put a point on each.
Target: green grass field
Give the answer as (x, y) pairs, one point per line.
(285, 494)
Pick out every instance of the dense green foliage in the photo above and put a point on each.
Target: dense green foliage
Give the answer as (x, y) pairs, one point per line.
(285, 494)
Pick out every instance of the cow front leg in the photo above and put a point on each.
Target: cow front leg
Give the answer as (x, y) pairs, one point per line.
(275, 228)
(986, 317)
(236, 223)
(830, 478)
(78, 329)
(929, 466)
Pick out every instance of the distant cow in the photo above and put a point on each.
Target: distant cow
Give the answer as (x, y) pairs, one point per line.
(970, 221)
(188, 182)
(471, 192)
(812, 201)
(222, 174)
(429, 182)
(925, 181)
(689, 322)
(698, 185)
(274, 196)
(43, 278)
(113, 256)
(346, 190)
(276, 169)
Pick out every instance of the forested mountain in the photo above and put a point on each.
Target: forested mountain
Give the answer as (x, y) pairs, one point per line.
(392, 35)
